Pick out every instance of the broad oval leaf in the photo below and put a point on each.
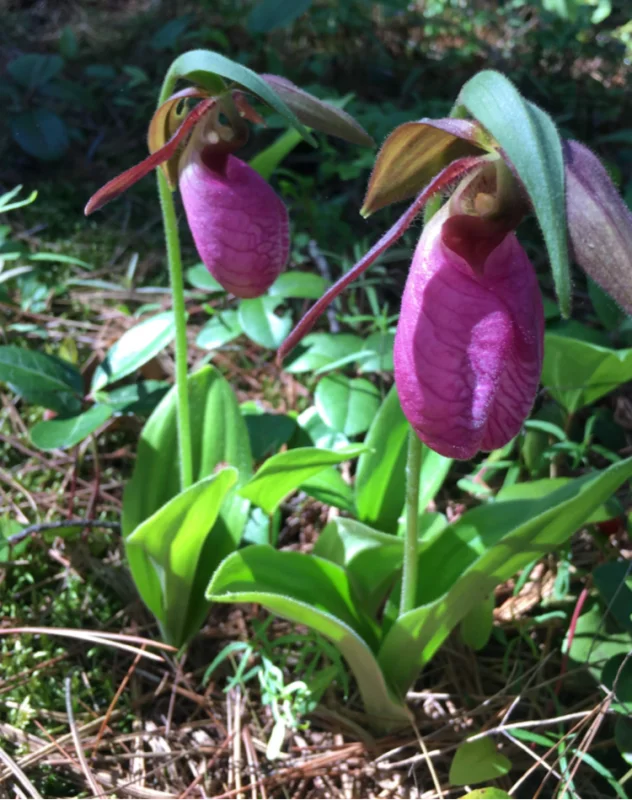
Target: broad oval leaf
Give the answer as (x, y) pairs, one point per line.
(54, 434)
(347, 405)
(201, 66)
(323, 349)
(200, 278)
(614, 583)
(576, 373)
(539, 488)
(414, 153)
(41, 378)
(485, 547)
(623, 737)
(377, 352)
(478, 761)
(313, 592)
(33, 70)
(40, 133)
(434, 471)
(313, 430)
(285, 472)
(531, 143)
(221, 329)
(166, 551)
(136, 347)
(305, 285)
(258, 319)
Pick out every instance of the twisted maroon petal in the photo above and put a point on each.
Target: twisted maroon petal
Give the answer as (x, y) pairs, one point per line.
(122, 182)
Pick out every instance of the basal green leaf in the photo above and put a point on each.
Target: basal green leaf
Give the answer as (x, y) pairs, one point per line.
(220, 438)
(372, 559)
(613, 581)
(285, 472)
(477, 624)
(40, 133)
(166, 551)
(330, 488)
(485, 547)
(597, 639)
(137, 398)
(322, 349)
(380, 485)
(434, 471)
(305, 285)
(312, 430)
(268, 432)
(270, 14)
(200, 278)
(540, 488)
(33, 70)
(313, 592)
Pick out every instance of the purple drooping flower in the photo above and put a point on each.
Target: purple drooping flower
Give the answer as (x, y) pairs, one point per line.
(239, 224)
(469, 343)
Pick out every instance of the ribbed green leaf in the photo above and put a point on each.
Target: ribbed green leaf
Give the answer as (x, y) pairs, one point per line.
(531, 143)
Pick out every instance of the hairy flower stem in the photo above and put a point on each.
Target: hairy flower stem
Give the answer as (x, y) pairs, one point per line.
(179, 311)
(409, 578)
(174, 258)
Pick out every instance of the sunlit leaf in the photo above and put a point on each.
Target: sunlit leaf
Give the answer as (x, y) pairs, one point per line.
(478, 761)
(56, 434)
(136, 347)
(313, 592)
(285, 472)
(531, 143)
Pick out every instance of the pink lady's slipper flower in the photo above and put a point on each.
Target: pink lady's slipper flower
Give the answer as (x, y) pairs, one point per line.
(469, 343)
(239, 224)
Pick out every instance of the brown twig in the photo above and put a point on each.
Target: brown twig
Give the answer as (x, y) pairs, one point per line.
(42, 527)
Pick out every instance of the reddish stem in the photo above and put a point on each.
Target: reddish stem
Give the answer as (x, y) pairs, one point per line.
(448, 175)
(571, 635)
